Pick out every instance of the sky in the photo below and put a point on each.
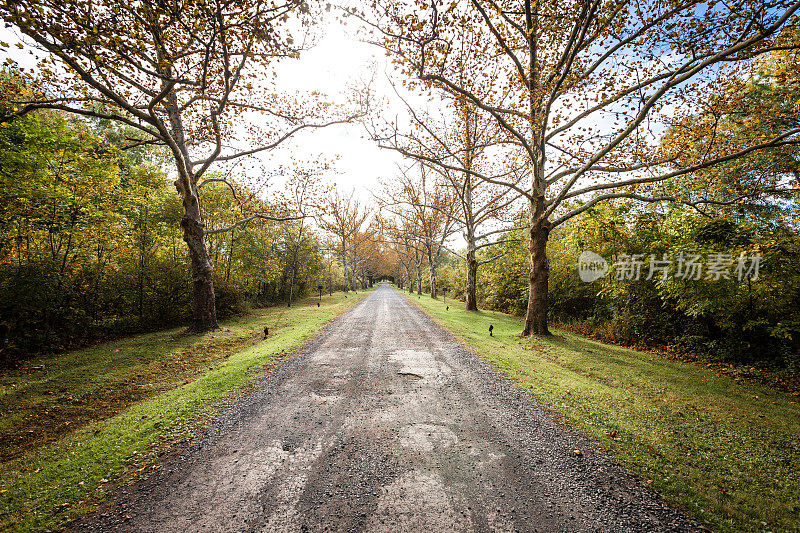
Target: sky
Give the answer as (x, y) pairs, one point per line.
(337, 61)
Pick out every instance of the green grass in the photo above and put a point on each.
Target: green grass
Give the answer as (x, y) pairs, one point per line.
(728, 452)
(169, 383)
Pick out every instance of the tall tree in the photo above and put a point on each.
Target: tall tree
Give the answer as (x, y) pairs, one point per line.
(303, 196)
(458, 140)
(458, 144)
(345, 220)
(179, 73)
(429, 212)
(586, 86)
(395, 233)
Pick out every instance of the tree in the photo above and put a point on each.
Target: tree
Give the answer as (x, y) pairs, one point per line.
(345, 219)
(90, 245)
(455, 146)
(403, 243)
(429, 216)
(586, 85)
(178, 73)
(735, 115)
(383, 260)
(363, 253)
(303, 194)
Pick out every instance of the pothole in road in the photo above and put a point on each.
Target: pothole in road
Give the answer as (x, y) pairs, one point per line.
(418, 364)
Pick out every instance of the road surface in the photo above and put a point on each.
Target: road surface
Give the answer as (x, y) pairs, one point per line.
(385, 423)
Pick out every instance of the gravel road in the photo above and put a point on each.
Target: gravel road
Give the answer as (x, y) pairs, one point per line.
(386, 423)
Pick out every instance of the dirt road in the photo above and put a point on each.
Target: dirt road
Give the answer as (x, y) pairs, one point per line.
(385, 423)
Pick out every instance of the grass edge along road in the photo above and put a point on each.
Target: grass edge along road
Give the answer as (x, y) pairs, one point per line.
(63, 480)
(726, 451)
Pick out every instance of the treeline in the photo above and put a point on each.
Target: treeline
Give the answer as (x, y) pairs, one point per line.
(698, 298)
(91, 245)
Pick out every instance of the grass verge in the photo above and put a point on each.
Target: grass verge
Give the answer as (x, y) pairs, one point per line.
(109, 410)
(727, 451)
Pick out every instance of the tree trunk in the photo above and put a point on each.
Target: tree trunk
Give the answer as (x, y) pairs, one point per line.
(291, 286)
(536, 315)
(433, 279)
(469, 217)
(472, 278)
(204, 305)
(204, 310)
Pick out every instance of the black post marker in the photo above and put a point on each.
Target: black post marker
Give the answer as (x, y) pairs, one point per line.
(491, 327)
(266, 331)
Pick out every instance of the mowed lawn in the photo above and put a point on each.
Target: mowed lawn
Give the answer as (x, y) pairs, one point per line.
(72, 423)
(727, 452)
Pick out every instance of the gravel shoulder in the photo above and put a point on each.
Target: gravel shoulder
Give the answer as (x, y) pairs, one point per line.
(387, 423)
